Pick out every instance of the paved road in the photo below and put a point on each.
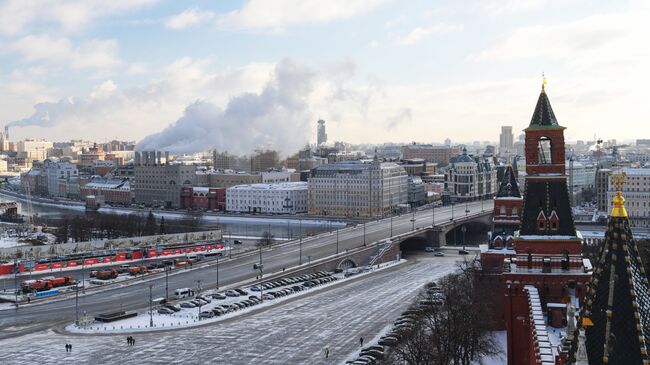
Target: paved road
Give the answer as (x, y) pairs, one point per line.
(291, 333)
(29, 318)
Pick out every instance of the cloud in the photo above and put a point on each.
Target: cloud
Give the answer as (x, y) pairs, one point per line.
(136, 112)
(396, 120)
(137, 68)
(278, 14)
(509, 7)
(17, 15)
(278, 117)
(189, 18)
(92, 53)
(420, 33)
(596, 39)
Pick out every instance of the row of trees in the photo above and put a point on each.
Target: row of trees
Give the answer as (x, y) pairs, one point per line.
(456, 332)
(108, 226)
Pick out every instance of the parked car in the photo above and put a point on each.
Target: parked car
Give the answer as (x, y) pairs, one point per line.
(256, 288)
(165, 310)
(439, 254)
(388, 341)
(232, 293)
(206, 314)
(207, 299)
(172, 307)
(241, 291)
(219, 296)
(187, 305)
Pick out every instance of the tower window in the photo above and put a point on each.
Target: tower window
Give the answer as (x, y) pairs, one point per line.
(544, 145)
(541, 220)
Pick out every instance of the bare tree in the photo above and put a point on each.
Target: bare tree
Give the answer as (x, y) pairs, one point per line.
(266, 240)
(451, 326)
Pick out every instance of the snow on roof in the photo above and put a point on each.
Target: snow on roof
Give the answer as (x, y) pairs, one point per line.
(108, 184)
(300, 185)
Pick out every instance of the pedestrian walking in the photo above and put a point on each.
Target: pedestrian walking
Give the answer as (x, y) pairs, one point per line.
(66, 347)
(326, 351)
(361, 342)
(132, 341)
(70, 347)
(128, 340)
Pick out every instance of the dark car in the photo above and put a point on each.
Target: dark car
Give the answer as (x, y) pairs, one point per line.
(175, 308)
(241, 291)
(463, 252)
(237, 242)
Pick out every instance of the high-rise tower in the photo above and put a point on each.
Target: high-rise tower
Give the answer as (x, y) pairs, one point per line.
(322, 135)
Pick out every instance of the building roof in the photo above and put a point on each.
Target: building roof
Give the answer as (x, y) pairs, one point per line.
(616, 314)
(100, 183)
(544, 199)
(299, 185)
(464, 157)
(509, 186)
(543, 115)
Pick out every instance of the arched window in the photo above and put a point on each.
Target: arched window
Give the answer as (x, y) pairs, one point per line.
(545, 147)
(555, 220)
(541, 220)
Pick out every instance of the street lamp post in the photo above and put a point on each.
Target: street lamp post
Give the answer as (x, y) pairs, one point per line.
(198, 291)
(300, 242)
(150, 305)
(16, 269)
(167, 268)
(364, 233)
(260, 267)
(463, 229)
(218, 271)
(337, 240)
(433, 215)
(76, 304)
(413, 220)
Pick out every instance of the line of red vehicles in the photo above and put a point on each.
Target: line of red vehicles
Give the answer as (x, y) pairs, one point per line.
(46, 284)
(80, 260)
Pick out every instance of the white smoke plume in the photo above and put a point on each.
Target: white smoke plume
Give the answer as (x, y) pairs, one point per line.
(278, 117)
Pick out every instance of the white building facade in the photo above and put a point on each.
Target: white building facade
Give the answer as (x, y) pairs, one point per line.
(58, 175)
(280, 198)
(471, 178)
(358, 189)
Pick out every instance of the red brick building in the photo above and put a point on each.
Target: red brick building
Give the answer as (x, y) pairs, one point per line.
(203, 198)
(540, 269)
(108, 190)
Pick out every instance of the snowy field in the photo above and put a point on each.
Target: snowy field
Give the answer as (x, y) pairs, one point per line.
(188, 317)
(292, 333)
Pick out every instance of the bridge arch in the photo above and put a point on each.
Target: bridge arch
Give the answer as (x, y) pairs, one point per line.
(476, 232)
(415, 243)
(346, 264)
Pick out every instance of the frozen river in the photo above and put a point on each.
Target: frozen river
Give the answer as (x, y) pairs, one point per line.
(291, 333)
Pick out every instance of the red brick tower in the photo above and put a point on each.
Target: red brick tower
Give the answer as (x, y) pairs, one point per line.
(547, 259)
(507, 211)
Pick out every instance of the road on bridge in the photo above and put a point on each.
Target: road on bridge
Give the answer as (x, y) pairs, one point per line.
(39, 316)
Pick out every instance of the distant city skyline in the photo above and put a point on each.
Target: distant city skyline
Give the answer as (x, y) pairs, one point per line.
(238, 75)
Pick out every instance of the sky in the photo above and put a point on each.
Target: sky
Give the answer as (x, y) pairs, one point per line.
(237, 75)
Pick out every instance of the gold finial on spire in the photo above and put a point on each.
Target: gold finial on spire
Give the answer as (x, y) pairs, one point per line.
(543, 81)
(618, 180)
